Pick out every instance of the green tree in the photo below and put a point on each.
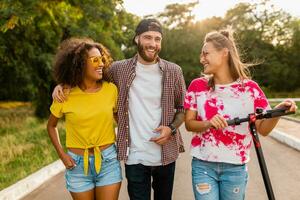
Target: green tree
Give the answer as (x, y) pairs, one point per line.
(183, 38)
(31, 30)
(183, 46)
(177, 15)
(264, 34)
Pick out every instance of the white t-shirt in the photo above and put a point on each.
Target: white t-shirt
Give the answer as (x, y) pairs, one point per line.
(145, 115)
(231, 144)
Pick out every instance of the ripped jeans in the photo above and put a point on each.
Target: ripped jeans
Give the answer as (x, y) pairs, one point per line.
(218, 181)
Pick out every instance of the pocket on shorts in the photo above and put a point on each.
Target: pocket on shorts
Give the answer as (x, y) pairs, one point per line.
(109, 154)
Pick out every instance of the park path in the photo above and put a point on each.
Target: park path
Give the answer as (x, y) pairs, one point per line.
(283, 164)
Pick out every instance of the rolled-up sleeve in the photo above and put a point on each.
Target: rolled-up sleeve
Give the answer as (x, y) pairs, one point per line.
(56, 109)
(179, 91)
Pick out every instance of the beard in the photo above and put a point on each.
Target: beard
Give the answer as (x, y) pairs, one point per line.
(142, 52)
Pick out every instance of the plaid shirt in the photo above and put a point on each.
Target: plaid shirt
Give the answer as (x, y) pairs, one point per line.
(122, 73)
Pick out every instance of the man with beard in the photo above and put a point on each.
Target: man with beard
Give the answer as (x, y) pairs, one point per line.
(150, 109)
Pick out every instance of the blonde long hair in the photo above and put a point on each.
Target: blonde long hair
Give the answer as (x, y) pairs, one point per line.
(224, 39)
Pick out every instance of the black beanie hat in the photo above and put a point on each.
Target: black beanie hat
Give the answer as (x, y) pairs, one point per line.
(147, 25)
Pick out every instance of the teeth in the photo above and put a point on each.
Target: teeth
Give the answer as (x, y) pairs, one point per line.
(151, 50)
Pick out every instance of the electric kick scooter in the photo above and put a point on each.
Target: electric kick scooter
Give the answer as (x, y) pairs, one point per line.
(251, 118)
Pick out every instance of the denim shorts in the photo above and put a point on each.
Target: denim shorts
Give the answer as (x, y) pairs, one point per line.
(213, 180)
(77, 181)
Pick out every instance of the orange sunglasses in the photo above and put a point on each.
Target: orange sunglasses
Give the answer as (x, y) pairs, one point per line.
(97, 61)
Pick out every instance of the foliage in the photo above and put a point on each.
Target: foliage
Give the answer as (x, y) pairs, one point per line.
(177, 15)
(31, 30)
(266, 36)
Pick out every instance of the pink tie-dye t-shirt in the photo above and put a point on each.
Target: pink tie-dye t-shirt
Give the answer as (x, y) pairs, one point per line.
(231, 144)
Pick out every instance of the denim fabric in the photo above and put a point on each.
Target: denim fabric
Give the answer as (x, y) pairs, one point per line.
(139, 181)
(77, 181)
(214, 181)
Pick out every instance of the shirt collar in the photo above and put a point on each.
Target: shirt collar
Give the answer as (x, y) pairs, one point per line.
(159, 61)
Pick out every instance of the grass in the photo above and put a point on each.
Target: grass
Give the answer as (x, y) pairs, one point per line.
(13, 104)
(272, 94)
(24, 142)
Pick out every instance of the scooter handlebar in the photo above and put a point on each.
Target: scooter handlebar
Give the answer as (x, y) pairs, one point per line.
(234, 121)
(268, 114)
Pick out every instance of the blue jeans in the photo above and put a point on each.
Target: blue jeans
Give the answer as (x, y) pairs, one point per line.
(139, 181)
(214, 181)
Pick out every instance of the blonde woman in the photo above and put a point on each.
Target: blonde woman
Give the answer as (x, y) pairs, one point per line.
(220, 152)
(92, 168)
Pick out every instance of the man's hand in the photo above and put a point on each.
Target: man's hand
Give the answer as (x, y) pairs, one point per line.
(165, 135)
(60, 93)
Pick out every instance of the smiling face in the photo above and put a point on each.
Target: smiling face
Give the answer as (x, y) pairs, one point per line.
(93, 69)
(149, 45)
(211, 58)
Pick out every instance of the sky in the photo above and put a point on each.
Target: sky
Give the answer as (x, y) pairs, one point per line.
(205, 8)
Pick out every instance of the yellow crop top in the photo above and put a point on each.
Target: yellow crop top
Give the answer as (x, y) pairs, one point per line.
(89, 120)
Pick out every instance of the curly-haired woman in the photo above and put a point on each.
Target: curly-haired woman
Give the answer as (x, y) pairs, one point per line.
(92, 169)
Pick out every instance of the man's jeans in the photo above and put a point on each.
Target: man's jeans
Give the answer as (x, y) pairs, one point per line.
(218, 181)
(139, 181)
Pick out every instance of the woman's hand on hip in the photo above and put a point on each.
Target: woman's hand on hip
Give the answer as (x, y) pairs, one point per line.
(68, 161)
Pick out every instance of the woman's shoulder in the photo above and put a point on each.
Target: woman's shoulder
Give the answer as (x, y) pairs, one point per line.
(75, 90)
(200, 80)
(199, 83)
(109, 85)
(250, 83)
